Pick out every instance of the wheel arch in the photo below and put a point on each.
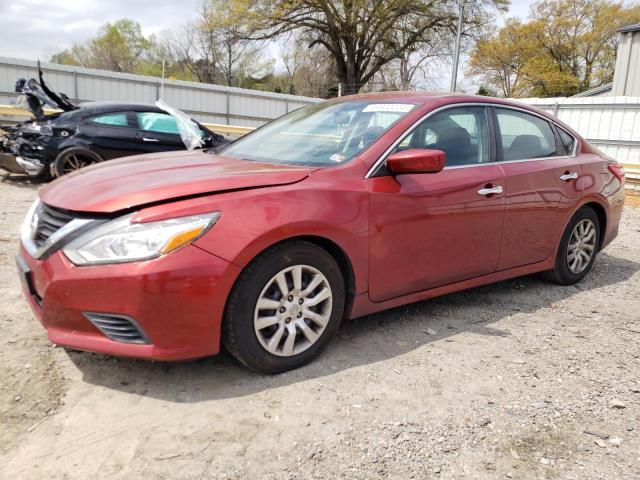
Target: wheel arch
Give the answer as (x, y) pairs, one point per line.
(333, 249)
(600, 210)
(602, 218)
(341, 257)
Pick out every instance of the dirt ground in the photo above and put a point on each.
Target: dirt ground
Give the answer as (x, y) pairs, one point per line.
(521, 379)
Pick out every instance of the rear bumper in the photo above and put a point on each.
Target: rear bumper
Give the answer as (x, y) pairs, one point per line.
(178, 301)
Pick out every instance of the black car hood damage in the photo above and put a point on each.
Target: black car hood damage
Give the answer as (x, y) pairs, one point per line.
(37, 95)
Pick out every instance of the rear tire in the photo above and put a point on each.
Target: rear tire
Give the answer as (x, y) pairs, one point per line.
(578, 248)
(275, 319)
(73, 159)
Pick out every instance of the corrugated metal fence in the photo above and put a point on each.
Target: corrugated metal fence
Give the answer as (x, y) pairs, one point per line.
(611, 124)
(204, 102)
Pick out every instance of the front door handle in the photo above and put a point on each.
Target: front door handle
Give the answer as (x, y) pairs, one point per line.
(568, 176)
(147, 139)
(490, 190)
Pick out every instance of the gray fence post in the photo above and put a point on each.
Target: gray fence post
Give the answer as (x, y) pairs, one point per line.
(76, 96)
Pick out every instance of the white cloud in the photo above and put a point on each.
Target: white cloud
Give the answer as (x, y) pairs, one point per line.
(38, 28)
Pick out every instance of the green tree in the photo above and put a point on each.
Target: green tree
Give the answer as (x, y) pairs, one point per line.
(121, 47)
(118, 46)
(566, 47)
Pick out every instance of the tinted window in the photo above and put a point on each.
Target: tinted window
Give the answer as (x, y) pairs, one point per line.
(460, 132)
(157, 122)
(567, 140)
(525, 136)
(117, 119)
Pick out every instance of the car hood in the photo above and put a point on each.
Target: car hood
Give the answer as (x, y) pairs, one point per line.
(147, 179)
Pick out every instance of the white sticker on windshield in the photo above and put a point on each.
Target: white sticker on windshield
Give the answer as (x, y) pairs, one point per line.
(388, 107)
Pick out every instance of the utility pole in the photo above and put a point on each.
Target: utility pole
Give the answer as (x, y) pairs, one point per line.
(456, 58)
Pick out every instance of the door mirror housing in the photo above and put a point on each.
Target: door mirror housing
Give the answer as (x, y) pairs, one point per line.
(416, 160)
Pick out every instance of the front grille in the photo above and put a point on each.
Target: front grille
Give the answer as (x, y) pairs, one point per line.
(118, 328)
(50, 219)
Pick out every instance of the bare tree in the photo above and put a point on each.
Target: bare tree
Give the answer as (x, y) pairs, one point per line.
(360, 35)
(223, 36)
(309, 71)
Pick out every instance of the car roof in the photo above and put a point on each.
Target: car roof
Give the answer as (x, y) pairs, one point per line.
(438, 99)
(425, 98)
(118, 107)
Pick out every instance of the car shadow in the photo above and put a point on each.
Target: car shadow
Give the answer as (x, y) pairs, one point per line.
(359, 342)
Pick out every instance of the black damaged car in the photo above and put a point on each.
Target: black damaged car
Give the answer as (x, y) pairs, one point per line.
(56, 144)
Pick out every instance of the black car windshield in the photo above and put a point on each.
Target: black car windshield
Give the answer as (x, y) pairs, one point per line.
(322, 134)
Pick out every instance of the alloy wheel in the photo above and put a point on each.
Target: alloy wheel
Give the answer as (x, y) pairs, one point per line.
(582, 246)
(293, 310)
(75, 161)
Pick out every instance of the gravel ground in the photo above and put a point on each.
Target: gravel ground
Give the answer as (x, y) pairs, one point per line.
(520, 379)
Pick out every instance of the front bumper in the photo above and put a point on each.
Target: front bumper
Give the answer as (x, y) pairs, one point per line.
(17, 164)
(29, 155)
(178, 301)
(8, 162)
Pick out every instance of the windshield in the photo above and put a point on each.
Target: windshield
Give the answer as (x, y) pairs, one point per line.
(322, 134)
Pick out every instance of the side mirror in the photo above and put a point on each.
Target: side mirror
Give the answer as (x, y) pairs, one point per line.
(416, 160)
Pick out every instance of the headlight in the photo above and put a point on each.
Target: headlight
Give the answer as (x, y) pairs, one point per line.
(122, 240)
(42, 129)
(30, 223)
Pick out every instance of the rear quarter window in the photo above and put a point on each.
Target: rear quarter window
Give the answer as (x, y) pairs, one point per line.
(115, 119)
(567, 140)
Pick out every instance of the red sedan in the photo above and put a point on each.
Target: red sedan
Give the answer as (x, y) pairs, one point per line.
(334, 211)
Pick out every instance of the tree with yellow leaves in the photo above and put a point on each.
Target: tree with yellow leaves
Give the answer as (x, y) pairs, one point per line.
(568, 46)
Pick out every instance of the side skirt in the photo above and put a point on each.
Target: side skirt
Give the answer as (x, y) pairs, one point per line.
(362, 305)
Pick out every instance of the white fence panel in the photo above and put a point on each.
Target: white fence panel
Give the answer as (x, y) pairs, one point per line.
(204, 102)
(612, 124)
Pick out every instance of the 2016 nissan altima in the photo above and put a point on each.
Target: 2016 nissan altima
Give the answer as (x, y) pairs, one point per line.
(334, 211)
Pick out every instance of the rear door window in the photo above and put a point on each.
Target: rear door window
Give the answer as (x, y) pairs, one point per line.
(113, 119)
(157, 122)
(525, 136)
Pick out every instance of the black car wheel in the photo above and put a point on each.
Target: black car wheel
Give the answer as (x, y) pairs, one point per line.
(284, 308)
(74, 159)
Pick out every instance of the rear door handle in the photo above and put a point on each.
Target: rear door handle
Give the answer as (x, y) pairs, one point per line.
(490, 191)
(568, 176)
(147, 139)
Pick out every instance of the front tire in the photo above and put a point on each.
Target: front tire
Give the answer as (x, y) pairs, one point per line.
(578, 248)
(284, 308)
